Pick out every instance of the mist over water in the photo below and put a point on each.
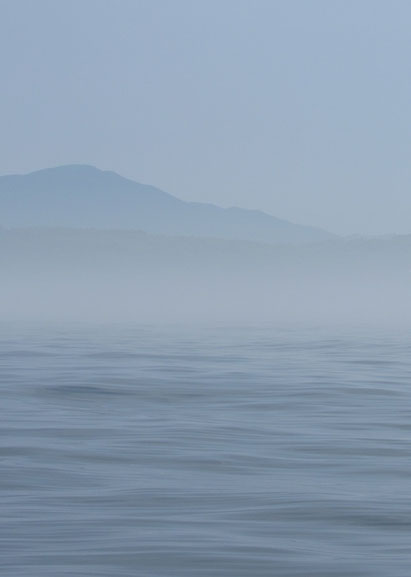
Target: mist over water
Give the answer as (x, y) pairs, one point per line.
(200, 374)
(58, 274)
(194, 406)
(207, 450)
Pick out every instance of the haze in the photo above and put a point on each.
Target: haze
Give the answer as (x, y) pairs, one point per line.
(205, 271)
(301, 109)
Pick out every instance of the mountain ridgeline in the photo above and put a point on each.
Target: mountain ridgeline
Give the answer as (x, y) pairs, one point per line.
(82, 244)
(81, 196)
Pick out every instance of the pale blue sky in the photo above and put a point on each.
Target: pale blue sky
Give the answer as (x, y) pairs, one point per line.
(299, 108)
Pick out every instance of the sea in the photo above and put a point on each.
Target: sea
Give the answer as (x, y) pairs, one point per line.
(212, 450)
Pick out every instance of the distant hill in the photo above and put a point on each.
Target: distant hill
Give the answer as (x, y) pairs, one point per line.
(80, 196)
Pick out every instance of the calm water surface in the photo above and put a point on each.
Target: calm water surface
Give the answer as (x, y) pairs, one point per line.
(172, 452)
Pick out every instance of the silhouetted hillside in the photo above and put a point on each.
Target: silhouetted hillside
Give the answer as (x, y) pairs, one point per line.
(80, 196)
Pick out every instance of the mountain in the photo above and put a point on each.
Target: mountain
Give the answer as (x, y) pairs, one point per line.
(81, 196)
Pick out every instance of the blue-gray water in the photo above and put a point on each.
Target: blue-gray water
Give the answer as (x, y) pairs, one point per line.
(172, 452)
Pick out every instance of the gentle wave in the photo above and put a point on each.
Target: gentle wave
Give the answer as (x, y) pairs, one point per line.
(212, 451)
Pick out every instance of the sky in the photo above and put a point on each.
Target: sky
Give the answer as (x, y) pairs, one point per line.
(298, 108)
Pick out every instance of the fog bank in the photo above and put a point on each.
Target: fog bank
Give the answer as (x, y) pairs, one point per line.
(57, 274)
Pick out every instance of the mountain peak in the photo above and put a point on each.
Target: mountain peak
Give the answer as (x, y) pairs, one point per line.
(83, 196)
(70, 170)
(78, 168)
